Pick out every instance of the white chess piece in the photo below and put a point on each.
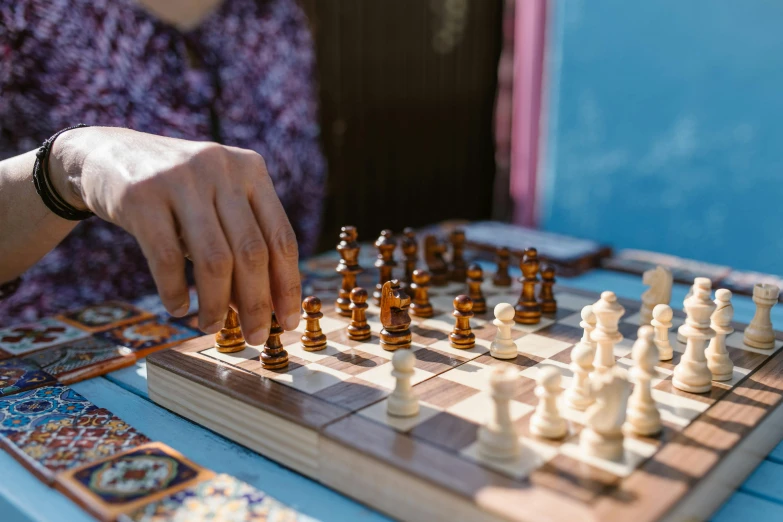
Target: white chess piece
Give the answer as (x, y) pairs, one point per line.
(497, 439)
(546, 421)
(718, 360)
(680, 336)
(692, 373)
(759, 333)
(402, 401)
(503, 347)
(607, 312)
(662, 321)
(659, 280)
(602, 436)
(643, 417)
(578, 395)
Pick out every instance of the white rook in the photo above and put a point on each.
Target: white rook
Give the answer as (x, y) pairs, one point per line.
(759, 333)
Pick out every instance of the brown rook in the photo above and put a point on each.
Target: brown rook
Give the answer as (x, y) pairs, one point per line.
(385, 261)
(359, 330)
(348, 267)
(421, 307)
(313, 339)
(462, 337)
(546, 295)
(396, 332)
(433, 252)
(475, 278)
(274, 355)
(410, 249)
(458, 268)
(229, 339)
(502, 259)
(527, 310)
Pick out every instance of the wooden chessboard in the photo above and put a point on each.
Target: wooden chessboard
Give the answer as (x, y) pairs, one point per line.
(325, 416)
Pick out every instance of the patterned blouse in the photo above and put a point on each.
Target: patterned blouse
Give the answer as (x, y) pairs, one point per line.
(244, 77)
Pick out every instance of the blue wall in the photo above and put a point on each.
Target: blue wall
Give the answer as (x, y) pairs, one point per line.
(665, 127)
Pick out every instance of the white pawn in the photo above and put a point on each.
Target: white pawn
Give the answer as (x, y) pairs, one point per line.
(503, 347)
(607, 312)
(692, 373)
(759, 333)
(643, 417)
(718, 360)
(602, 436)
(547, 422)
(662, 321)
(497, 439)
(403, 402)
(578, 394)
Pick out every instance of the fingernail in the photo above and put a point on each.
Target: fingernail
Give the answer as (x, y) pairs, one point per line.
(258, 337)
(182, 310)
(291, 322)
(214, 327)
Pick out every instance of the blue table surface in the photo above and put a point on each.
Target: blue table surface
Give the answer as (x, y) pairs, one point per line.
(124, 392)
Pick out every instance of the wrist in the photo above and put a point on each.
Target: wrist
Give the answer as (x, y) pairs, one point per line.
(66, 160)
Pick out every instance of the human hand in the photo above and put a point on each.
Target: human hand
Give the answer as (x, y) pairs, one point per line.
(214, 203)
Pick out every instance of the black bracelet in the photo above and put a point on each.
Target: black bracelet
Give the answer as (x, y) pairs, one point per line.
(43, 185)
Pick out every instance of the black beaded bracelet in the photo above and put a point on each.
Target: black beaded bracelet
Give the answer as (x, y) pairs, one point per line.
(43, 185)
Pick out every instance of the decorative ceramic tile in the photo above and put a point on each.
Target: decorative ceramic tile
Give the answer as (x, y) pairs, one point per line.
(50, 404)
(222, 498)
(58, 446)
(18, 375)
(26, 338)
(125, 481)
(83, 359)
(149, 336)
(96, 318)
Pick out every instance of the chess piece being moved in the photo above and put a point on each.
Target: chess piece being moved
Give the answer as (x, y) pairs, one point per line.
(313, 339)
(462, 336)
(348, 267)
(410, 249)
(578, 396)
(606, 335)
(402, 401)
(497, 438)
(503, 347)
(662, 321)
(396, 332)
(274, 356)
(718, 359)
(458, 267)
(502, 260)
(433, 254)
(680, 336)
(230, 339)
(602, 436)
(546, 295)
(759, 333)
(385, 262)
(546, 421)
(475, 278)
(528, 310)
(359, 330)
(643, 417)
(692, 374)
(420, 287)
(659, 279)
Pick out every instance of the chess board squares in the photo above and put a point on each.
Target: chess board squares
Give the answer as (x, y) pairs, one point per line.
(570, 301)
(635, 451)
(126, 481)
(328, 324)
(149, 336)
(378, 412)
(684, 408)
(27, 338)
(540, 345)
(83, 359)
(29, 409)
(444, 346)
(353, 394)
(533, 454)
(99, 317)
(735, 340)
(17, 375)
(574, 479)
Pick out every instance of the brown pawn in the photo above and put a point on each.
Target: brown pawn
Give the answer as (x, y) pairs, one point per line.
(475, 278)
(421, 307)
(396, 332)
(274, 355)
(527, 310)
(385, 262)
(502, 258)
(348, 267)
(433, 252)
(359, 330)
(410, 248)
(313, 339)
(458, 267)
(462, 337)
(229, 339)
(546, 295)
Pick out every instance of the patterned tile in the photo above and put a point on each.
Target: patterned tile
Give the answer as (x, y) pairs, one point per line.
(83, 359)
(128, 480)
(30, 409)
(222, 498)
(17, 375)
(65, 444)
(26, 338)
(148, 336)
(100, 317)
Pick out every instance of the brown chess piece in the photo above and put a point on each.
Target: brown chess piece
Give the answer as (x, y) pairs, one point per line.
(421, 307)
(458, 267)
(385, 262)
(396, 332)
(274, 355)
(527, 310)
(229, 339)
(546, 295)
(433, 252)
(410, 249)
(359, 330)
(475, 278)
(462, 337)
(348, 267)
(313, 339)
(502, 258)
